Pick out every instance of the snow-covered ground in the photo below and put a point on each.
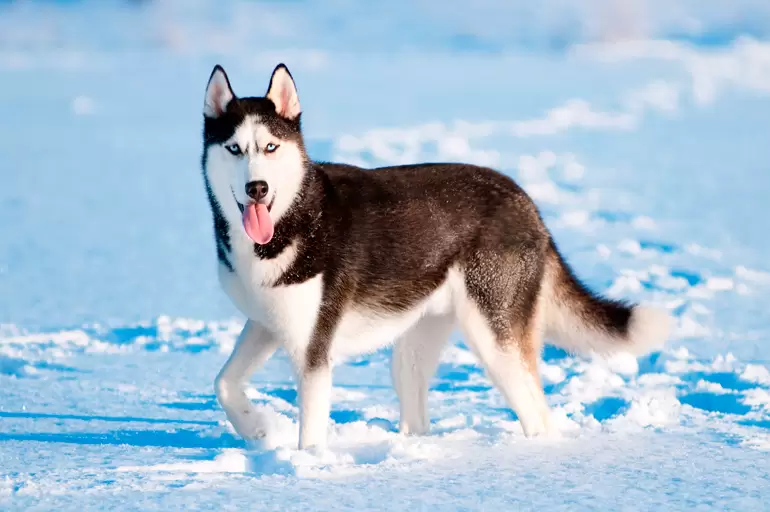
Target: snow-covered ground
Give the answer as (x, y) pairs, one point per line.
(640, 128)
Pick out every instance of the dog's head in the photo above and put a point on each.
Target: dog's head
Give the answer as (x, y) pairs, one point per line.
(254, 144)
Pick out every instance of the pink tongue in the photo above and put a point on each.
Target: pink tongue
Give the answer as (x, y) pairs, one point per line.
(257, 223)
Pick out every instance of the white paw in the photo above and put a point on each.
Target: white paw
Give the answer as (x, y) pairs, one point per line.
(543, 431)
(256, 435)
(413, 429)
(250, 425)
(256, 444)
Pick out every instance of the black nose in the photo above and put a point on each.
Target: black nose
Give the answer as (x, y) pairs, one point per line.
(256, 190)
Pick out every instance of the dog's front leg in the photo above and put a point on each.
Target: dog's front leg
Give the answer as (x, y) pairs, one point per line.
(314, 373)
(254, 347)
(315, 402)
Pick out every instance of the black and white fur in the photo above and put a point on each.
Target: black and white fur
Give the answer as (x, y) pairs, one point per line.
(361, 259)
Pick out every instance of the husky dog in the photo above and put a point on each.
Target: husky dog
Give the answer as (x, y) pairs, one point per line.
(329, 260)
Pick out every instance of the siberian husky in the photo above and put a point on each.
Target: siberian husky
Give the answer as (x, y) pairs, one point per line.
(330, 260)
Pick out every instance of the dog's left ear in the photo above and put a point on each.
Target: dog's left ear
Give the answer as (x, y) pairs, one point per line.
(283, 93)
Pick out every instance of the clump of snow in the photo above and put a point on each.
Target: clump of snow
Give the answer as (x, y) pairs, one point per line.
(652, 380)
(759, 442)
(15, 366)
(624, 285)
(552, 374)
(756, 276)
(711, 387)
(603, 251)
(757, 398)
(544, 191)
(164, 334)
(229, 461)
(535, 167)
(344, 394)
(659, 95)
(574, 113)
(623, 363)
(572, 170)
(576, 218)
(458, 356)
(630, 246)
(724, 363)
(756, 373)
(379, 414)
(743, 65)
(681, 353)
(658, 408)
(705, 252)
(688, 327)
(720, 284)
(643, 222)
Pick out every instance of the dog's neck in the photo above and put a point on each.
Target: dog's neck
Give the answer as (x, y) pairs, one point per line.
(301, 219)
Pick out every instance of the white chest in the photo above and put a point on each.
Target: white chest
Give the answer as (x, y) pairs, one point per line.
(289, 311)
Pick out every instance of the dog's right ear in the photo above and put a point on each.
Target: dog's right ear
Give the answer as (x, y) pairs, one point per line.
(218, 93)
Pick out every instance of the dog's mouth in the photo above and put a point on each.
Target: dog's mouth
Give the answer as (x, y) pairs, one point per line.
(241, 207)
(256, 220)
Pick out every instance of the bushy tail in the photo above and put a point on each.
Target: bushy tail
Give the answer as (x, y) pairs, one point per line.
(578, 320)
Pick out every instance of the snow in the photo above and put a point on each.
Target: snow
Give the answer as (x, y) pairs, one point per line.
(638, 127)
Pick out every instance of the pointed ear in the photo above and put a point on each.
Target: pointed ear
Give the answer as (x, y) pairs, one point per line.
(218, 93)
(283, 93)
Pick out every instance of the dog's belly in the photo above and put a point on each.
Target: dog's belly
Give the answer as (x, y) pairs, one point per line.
(290, 312)
(364, 330)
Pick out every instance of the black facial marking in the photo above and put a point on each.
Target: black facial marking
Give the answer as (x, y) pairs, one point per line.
(240, 206)
(221, 226)
(218, 130)
(223, 257)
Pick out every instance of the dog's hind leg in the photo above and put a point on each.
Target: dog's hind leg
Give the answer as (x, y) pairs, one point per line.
(254, 347)
(415, 358)
(502, 321)
(513, 370)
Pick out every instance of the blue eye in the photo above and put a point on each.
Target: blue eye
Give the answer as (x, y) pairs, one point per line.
(234, 149)
(271, 147)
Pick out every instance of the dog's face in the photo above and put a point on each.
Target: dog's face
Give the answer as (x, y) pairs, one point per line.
(255, 144)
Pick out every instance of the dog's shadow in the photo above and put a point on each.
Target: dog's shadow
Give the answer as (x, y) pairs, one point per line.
(177, 437)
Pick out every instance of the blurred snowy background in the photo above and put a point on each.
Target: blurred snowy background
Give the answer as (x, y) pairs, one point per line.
(640, 128)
